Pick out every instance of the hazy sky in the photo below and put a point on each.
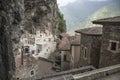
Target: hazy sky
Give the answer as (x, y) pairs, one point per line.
(65, 2)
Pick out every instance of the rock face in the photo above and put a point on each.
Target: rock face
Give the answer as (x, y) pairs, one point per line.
(41, 15)
(18, 16)
(10, 18)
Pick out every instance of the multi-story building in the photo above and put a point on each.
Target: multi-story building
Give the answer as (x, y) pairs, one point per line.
(90, 44)
(45, 44)
(110, 46)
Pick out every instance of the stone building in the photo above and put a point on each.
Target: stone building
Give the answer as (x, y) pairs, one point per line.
(110, 47)
(90, 44)
(32, 68)
(27, 41)
(64, 50)
(26, 66)
(75, 52)
(45, 43)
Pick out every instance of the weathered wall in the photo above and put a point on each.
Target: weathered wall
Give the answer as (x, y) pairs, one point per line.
(95, 50)
(107, 57)
(24, 72)
(100, 73)
(10, 18)
(75, 56)
(65, 65)
(92, 45)
(86, 41)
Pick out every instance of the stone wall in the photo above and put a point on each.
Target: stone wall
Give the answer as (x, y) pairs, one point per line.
(75, 56)
(25, 72)
(92, 45)
(98, 73)
(65, 65)
(10, 19)
(109, 57)
(95, 51)
(86, 42)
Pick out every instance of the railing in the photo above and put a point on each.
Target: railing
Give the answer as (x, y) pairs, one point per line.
(69, 72)
(98, 73)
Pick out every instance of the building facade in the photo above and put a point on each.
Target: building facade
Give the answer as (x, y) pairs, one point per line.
(90, 44)
(75, 53)
(45, 44)
(110, 47)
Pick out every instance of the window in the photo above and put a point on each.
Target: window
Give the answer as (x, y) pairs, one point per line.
(85, 53)
(26, 49)
(113, 45)
(49, 39)
(32, 73)
(38, 51)
(65, 57)
(18, 79)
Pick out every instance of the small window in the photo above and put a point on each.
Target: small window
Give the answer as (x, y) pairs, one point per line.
(65, 57)
(49, 39)
(85, 53)
(26, 49)
(32, 72)
(38, 51)
(113, 46)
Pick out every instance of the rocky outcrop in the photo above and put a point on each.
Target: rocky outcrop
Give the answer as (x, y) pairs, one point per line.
(41, 15)
(19, 16)
(10, 18)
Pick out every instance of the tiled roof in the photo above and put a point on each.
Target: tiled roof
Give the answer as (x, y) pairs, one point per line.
(90, 31)
(111, 20)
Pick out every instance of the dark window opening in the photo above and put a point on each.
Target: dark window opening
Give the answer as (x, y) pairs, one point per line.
(113, 46)
(65, 57)
(38, 51)
(49, 39)
(32, 72)
(85, 53)
(27, 49)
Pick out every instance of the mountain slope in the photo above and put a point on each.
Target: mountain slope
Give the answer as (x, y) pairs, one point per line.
(105, 12)
(77, 13)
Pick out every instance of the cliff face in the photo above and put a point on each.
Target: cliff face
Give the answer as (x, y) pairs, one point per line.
(19, 16)
(41, 15)
(10, 18)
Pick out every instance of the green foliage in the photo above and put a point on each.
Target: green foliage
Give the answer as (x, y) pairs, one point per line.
(62, 23)
(59, 24)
